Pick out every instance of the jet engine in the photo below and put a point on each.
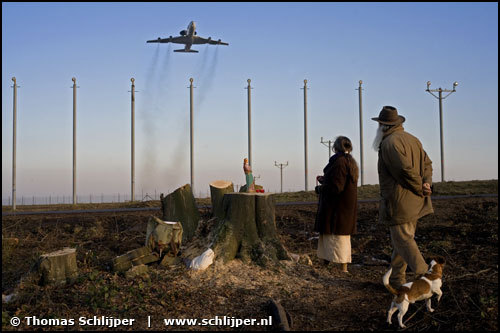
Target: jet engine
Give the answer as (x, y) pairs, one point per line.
(183, 32)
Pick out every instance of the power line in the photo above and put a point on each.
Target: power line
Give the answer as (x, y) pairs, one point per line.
(305, 133)
(74, 139)
(281, 166)
(249, 97)
(329, 146)
(361, 134)
(440, 97)
(14, 139)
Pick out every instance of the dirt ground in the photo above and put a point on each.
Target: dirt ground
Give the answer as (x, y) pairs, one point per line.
(463, 231)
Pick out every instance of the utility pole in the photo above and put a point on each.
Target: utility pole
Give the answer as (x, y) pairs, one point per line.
(361, 134)
(249, 88)
(191, 130)
(440, 97)
(329, 147)
(305, 133)
(281, 166)
(74, 139)
(14, 138)
(132, 195)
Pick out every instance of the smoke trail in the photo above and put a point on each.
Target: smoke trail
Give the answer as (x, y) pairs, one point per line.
(170, 174)
(147, 116)
(164, 72)
(179, 161)
(200, 68)
(154, 62)
(206, 86)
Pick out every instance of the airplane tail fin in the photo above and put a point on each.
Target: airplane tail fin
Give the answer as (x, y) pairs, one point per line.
(187, 51)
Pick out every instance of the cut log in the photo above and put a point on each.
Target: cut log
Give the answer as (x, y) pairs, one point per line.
(58, 267)
(142, 255)
(217, 190)
(181, 206)
(136, 271)
(163, 236)
(248, 229)
(169, 260)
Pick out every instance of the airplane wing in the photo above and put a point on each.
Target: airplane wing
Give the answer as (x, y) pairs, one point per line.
(201, 40)
(179, 40)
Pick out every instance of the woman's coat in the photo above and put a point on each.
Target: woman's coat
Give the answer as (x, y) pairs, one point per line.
(338, 199)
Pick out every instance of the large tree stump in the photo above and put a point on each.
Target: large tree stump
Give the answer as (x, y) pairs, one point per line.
(180, 206)
(256, 187)
(58, 267)
(248, 229)
(217, 190)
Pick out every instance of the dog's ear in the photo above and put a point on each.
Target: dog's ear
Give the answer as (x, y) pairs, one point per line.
(440, 260)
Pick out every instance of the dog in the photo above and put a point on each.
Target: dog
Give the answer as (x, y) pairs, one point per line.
(423, 288)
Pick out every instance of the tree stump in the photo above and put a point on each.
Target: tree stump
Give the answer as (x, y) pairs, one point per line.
(217, 190)
(58, 267)
(248, 229)
(180, 206)
(163, 236)
(256, 187)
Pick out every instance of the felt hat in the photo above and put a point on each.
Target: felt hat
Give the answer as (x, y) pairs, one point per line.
(389, 116)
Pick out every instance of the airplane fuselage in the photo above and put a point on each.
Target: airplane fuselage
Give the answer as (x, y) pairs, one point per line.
(191, 29)
(188, 37)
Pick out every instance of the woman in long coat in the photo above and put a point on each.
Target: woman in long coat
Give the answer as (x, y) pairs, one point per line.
(338, 201)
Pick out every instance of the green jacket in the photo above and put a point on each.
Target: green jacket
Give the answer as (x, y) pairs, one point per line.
(403, 166)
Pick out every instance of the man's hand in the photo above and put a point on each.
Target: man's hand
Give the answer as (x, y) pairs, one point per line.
(426, 189)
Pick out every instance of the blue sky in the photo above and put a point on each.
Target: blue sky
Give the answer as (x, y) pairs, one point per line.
(395, 48)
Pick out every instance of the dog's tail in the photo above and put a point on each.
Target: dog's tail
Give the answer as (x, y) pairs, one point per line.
(385, 279)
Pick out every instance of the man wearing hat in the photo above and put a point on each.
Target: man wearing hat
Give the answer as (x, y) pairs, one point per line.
(405, 178)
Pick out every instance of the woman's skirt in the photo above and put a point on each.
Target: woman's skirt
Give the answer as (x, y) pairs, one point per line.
(335, 248)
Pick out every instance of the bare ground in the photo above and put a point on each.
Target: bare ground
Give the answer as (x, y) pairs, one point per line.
(464, 231)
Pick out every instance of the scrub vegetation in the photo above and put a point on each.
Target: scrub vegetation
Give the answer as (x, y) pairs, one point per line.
(462, 230)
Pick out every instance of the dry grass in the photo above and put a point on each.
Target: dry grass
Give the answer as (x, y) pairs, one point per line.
(464, 231)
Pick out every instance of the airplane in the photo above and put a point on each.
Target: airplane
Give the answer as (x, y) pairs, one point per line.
(188, 37)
